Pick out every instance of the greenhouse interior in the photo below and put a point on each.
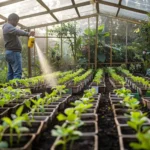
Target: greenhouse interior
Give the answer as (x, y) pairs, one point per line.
(75, 74)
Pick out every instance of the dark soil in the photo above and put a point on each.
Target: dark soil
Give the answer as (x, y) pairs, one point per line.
(87, 128)
(46, 140)
(127, 130)
(127, 141)
(81, 144)
(108, 136)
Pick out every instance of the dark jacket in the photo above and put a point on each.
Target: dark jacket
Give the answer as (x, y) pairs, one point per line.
(11, 39)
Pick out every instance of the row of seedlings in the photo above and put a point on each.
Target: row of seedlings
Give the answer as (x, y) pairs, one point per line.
(77, 127)
(19, 130)
(67, 78)
(99, 81)
(116, 80)
(79, 82)
(133, 126)
(140, 85)
(11, 99)
(36, 84)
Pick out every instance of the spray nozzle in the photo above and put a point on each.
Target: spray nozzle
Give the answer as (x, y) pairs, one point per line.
(31, 41)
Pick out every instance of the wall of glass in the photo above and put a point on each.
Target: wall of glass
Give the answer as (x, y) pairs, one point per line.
(119, 29)
(74, 43)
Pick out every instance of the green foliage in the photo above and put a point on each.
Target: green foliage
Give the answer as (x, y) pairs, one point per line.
(72, 121)
(69, 76)
(98, 76)
(3, 76)
(136, 120)
(15, 124)
(89, 39)
(66, 134)
(77, 79)
(7, 94)
(115, 76)
(68, 31)
(60, 89)
(123, 92)
(3, 144)
(143, 143)
(131, 103)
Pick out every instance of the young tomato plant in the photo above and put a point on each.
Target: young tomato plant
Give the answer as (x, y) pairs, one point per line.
(15, 124)
(3, 144)
(136, 120)
(123, 92)
(144, 141)
(66, 134)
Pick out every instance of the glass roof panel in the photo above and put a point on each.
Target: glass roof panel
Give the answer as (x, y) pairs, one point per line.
(40, 31)
(80, 1)
(42, 19)
(132, 15)
(82, 25)
(138, 4)
(105, 9)
(4, 1)
(52, 4)
(22, 8)
(92, 22)
(112, 1)
(87, 10)
(66, 14)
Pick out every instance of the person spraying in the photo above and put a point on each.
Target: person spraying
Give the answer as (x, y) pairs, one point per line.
(13, 46)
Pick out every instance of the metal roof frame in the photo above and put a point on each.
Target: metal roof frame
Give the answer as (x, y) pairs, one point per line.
(74, 6)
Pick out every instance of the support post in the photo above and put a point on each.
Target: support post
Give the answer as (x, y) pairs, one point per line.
(111, 45)
(126, 43)
(61, 43)
(96, 42)
(29, 61)
(75, 48)
(47, 42)
(89, 55)
(34, 59)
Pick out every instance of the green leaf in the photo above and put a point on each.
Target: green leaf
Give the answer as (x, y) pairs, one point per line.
(87, 31)
(69, 111)
(7, 120)
(101, 57)
(72, 117)
(136, 146)
(55, 133)
(3, 144)
(61, 117)
(28, 103)
(106, 34)
(101, 28)
(19, 111)
(132, 125)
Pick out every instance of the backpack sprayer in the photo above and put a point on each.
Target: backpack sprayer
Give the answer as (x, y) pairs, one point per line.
(31, 41)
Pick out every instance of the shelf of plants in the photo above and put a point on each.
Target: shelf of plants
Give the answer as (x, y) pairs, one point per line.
(71, 113)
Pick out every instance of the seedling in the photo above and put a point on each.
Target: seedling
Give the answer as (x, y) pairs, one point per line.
(66, 134)
(60, 89)
(3, 144)
(144, 141)
(123, 92)
(136, 120)
(15, 124)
